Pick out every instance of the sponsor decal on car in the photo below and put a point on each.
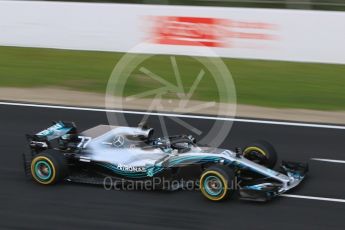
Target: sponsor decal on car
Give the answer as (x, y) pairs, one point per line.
(130, 168)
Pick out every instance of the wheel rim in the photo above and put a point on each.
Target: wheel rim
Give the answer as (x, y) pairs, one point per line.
(43, 170)
(213, 185)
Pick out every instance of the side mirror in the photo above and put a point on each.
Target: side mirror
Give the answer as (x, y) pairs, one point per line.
(174, 152)
(238, 152)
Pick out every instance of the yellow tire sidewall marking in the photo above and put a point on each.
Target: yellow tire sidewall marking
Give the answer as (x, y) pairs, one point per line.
(42, 158)
(249, 149)
(225, 183)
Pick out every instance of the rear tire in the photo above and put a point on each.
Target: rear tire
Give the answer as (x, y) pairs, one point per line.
(216, 182)
(49, 168)
(261, 152)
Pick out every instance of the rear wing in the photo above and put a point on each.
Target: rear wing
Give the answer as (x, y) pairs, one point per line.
(42, 140)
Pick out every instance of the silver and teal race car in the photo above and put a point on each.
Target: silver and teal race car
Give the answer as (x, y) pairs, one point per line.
(117, 155)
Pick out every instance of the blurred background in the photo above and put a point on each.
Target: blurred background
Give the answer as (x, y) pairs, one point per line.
(286, 57)
(337, 5)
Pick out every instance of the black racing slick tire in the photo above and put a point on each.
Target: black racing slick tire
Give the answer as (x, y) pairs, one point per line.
(217, 183)
(261, 152)
(49, 168)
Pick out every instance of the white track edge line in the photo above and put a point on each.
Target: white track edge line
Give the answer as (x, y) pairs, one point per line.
(310, 125)
(314, 198)
(206, 117)
(328, 160)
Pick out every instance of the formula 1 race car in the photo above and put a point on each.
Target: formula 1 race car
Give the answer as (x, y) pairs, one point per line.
(107, 154)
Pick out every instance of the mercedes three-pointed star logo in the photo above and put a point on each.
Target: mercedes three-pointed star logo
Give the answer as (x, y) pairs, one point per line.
(118, 141)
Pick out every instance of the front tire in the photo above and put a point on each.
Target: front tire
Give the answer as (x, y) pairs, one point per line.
(216, 183)
(48, 168)
(261, 152)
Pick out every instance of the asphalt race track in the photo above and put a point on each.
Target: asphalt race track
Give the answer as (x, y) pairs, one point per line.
(25, 205)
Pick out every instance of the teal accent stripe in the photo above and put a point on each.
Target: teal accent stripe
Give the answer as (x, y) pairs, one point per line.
(199, 159)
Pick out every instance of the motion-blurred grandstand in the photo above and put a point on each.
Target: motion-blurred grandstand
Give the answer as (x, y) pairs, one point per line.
(283, 4)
